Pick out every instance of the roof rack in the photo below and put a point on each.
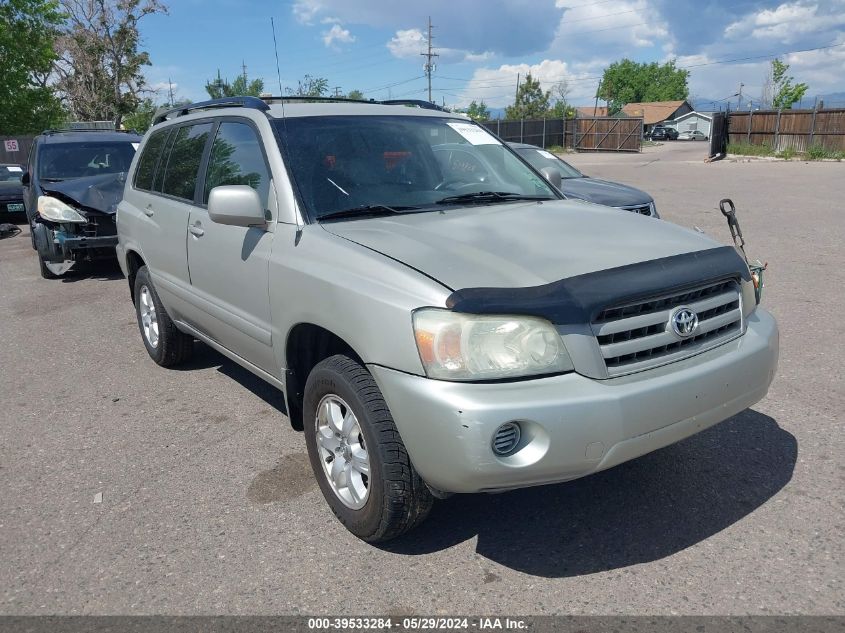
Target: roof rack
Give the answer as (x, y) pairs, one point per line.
(419, 103)
(256, 103)
(162, 114)
(77, 130)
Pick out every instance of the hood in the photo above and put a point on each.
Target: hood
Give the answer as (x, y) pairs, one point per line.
(520, 244)
(101, 193)
(611, 194)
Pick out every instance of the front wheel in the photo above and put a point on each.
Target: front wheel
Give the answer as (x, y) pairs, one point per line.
(357, 455)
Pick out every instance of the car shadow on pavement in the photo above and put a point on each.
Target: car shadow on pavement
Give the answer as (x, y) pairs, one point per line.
(205, 357)
(100, 270)
(638, 512)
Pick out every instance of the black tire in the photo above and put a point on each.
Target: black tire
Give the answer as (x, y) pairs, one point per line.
(397, 498)
(46, 273)
(173, 347)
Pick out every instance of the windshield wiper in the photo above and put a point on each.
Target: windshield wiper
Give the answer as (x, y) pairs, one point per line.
(365, 211)
(490, 196)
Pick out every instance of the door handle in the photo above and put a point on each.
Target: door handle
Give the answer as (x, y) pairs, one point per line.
(197, 230)
(148, 211)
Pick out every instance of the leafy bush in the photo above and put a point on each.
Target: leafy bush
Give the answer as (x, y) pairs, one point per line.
(817, 152)
(788, 154)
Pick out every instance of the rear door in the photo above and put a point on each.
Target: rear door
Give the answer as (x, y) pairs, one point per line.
(229, 265)
(162, 195)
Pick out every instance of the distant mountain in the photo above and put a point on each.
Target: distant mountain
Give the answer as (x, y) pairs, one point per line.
(831, 100)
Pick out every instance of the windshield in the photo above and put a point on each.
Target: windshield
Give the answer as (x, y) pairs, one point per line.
(401, 162)
(64, 161)
(10, 173)
(540, 158)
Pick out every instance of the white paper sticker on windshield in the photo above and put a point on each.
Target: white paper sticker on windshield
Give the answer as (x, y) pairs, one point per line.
(13, 168)
(135, 145)
(546, 154)
(475, 134)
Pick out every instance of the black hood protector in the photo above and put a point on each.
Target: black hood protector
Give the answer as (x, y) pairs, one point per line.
(581, 299)
(101, 193)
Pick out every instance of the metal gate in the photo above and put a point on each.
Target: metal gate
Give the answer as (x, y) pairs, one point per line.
(719, 135)
(608, 134)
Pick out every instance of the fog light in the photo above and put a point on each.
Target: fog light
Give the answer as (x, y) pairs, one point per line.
(506, 438)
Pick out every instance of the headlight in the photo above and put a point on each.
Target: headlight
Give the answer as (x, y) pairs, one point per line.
(456, 346)
(55, 210)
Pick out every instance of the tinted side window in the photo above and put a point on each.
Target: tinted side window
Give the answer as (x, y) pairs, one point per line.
(236, 159)
(180, 178)
(149, 159)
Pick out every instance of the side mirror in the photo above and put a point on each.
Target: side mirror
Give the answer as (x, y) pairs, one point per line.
(553, 176)
(25, 180)
(236, 205)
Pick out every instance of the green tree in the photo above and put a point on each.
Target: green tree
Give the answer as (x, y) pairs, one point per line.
(310, 86)
(99, 70)
(627, 81)
(142, 118)
(561, 108)
(240, 87)
(785, 93)
(27, 31)
(478, 111)
(355, 94)
(531, 102)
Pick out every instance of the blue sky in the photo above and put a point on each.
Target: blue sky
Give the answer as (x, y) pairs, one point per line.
(375, 45)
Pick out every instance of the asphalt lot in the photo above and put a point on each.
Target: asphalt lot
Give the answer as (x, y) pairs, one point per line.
(209, 506)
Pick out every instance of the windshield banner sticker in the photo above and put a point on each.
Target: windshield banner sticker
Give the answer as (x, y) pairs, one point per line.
(475, 134)
(546, 154)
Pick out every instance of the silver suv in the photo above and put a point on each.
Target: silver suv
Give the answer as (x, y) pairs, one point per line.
(435, 328)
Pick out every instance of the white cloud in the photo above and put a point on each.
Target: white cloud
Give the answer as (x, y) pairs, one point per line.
(497, 86)
(406, 43)
(337, 35)
(615, 27)
(787, 23)
(306, 10)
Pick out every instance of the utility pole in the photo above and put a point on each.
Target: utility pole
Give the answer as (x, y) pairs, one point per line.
(429, 67)
(739, 97)
(336, 91)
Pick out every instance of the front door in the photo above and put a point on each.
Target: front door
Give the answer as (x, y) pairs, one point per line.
(229, 265)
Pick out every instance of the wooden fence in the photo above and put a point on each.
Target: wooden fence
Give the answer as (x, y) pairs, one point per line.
(798, 130)
(600, 134)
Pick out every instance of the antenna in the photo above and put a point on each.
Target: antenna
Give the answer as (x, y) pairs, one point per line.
(428, 67)
(276, 50)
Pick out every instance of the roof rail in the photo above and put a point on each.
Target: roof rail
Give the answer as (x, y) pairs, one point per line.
(67, 130)
(315, 99)
(426, 105)
(162, 114)
(419, 103)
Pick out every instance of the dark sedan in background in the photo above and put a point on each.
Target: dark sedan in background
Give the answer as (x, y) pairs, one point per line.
(574, 184)
(11, 189)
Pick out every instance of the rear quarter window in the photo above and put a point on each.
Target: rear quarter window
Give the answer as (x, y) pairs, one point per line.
(149, 160)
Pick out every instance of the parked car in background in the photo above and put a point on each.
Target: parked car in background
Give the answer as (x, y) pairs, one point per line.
(11, 189)
(433, 332)
(663, 133)
(72, 185)
(693, 135)
(574, 184)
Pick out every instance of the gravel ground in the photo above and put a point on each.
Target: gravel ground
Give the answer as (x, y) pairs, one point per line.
(208, 504)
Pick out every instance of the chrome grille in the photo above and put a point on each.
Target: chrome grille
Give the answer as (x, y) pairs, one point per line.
(642, 209)
(639, 336)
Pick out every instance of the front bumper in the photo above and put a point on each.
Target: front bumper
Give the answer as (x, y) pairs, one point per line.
(573, 425)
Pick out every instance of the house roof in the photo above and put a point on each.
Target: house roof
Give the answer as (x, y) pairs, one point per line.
(590, 111)
(653, 112)
(703, 115)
